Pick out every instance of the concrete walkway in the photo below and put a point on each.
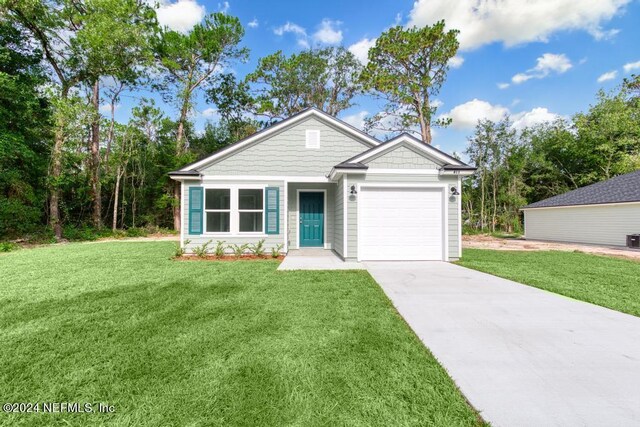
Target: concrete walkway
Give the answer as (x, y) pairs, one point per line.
(522, 356)
(316, 259)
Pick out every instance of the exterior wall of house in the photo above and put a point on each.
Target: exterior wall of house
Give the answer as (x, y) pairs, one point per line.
(292, 209)
(599, 225)
(271, 240)
(401, 157)
(453, 207)
(338, 218)
(285, 154)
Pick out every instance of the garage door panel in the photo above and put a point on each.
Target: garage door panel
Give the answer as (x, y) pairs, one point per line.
(400, 224)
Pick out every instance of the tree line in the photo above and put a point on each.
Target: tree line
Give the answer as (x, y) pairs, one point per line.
(518, 167)
(65, 66)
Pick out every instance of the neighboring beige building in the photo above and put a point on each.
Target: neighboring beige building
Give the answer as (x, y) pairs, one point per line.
(602, 214)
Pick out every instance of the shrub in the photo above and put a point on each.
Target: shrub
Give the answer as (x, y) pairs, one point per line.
(219, 250)
(202, 250)
(275, 250)
(180, 251)
(136, 232)
(258, 248)
(8, 246)
(238, 250)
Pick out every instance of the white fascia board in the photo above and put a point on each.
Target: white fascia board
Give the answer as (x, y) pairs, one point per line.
(289, 178)
(457, 172)
(275, 128)
(423, 147)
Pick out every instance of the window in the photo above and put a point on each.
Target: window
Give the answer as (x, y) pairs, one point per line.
(234, 210)
(218, 210)
(250, 207)
(312, 138)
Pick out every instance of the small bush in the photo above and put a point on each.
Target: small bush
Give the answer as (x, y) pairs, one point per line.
(180, 251)
(202, 250)
(136, 232)
(258, 248)
(238, 250)
(219, 250)
(275, 251)
(8, 246)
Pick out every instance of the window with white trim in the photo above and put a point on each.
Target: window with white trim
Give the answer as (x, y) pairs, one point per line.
(217, 209)
(234, 210)
(312, 138)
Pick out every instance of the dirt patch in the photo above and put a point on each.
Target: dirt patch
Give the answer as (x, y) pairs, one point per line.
(227, 258)
(519, 244)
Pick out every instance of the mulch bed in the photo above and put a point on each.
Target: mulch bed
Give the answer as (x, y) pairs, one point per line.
(191, 257)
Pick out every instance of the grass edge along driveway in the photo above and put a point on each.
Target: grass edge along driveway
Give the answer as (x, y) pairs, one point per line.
(209, 343)
(606, 281)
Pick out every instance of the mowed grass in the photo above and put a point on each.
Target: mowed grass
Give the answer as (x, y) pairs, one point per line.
(606, 281)
(209, 343)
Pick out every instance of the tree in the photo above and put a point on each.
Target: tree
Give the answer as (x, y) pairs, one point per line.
(189, 61)
(407, 68)
(25, 126)
(323, 78)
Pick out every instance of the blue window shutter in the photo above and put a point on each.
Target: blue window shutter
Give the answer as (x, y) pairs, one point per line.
(195, 210)
(272, 210)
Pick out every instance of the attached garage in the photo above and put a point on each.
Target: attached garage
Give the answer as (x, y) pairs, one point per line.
(401, 223)
(601, 214)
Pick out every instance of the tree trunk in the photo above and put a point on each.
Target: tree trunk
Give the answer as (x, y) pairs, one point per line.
(425, 130)
(176, 206)
(54, 174)
(116, 194)
(95, 157)
(180, 140)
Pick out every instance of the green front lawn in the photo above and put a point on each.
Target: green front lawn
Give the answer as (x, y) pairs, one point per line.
(209, 343)
(606, 281)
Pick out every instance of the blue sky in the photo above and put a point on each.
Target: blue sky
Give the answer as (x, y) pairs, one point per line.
(534, 60)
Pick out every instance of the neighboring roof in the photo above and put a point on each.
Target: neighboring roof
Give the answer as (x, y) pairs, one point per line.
(621, 189)
(405, 137)
(311, 111)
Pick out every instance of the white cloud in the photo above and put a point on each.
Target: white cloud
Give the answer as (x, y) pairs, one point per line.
(456, 61)
(466, 116)
(600, 34)
(106, 108)
(356, 120)
(436, 103)
(328, 32)
(360, 49)
(631, 66)
(297, 30)
(545, 65)
(253, 24)
(503, 85)
(209, 113)
(223, 7)
(180, 16)
(514, 22)
(610, 75)
(535, 116)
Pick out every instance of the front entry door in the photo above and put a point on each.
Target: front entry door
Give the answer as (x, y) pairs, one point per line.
(311, 219)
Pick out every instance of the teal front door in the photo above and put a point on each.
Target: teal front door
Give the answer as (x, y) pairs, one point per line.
(311, 219)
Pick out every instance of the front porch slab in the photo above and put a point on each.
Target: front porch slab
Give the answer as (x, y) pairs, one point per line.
(316, 259)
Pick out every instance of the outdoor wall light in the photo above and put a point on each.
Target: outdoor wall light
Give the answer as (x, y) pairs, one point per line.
(353, 190)
(454, 191)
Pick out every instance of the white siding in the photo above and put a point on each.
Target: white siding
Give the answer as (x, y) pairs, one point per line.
(601, 225)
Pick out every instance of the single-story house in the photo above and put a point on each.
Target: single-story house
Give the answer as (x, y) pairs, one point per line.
(602, 214)
(312, 180)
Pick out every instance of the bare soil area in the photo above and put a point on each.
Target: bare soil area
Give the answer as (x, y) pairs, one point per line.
(519, 244)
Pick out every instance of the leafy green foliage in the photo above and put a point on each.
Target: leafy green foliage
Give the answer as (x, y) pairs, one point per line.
(201, 251)
(275, 250)
(258, 248)
(239, 250)
(407, 68)
(323, 78)
(219, 251)
(180, 250)
(8, 246)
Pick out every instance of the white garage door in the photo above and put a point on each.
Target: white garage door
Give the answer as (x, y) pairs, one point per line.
(400, 224)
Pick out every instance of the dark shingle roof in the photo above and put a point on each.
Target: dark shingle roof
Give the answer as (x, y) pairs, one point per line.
(345, 165)
(621, 189)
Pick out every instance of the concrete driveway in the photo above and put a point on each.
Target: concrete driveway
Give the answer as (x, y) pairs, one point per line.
(521, 356)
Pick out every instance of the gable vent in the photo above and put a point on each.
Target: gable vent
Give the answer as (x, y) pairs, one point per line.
(313, 138)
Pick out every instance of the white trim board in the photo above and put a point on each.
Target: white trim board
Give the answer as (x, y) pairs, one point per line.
(405, 139)
(325, 243)
(445, 207)
(279, 126)
(292, 178)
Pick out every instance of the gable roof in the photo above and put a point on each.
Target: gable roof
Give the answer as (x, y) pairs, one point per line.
(414, 142)
(621, 189)
(304, 114)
